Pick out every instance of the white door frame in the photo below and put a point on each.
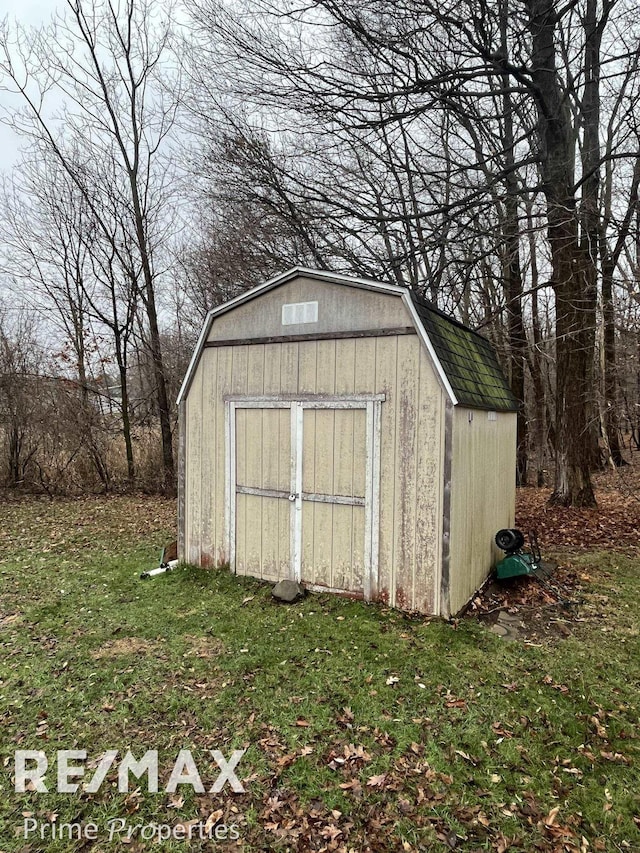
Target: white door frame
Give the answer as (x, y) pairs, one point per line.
(371, 403)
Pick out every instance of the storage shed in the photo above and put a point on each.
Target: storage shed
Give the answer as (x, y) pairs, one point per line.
(347, 434)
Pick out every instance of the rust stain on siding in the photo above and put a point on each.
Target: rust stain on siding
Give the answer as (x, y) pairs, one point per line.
(383, 596)
(403, 602)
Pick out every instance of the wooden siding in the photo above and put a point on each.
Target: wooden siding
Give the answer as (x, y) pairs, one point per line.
(482, 497)
(334, 463)
(263, 453)
(412, 418)
(194, 538)
(340, 309)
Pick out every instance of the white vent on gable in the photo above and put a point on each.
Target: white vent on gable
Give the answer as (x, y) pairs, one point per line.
(299, 312)
(492, 416)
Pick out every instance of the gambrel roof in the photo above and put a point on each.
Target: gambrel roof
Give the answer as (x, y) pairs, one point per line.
(463, 360)
(468, 359)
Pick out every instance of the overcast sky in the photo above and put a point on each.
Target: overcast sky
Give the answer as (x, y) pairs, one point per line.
(31, 13)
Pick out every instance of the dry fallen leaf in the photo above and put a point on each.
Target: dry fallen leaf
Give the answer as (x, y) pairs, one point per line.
(354, 785)
(466, 757)
(212, 820)
(550, 819)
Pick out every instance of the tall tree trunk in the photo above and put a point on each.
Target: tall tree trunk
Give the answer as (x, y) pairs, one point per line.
(517, 343)
(124, 402)
(611, 420)
(154, 341)
(86, 415)
(571, 273)
(512, 267)
(15, 455)
(542, 416)
(590, 201)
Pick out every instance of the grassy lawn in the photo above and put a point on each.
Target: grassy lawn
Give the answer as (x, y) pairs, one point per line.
(363, 729)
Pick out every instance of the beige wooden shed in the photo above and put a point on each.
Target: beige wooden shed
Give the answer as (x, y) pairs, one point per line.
(346, 434)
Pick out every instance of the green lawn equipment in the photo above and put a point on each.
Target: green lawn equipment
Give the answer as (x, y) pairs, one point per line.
(517, 561)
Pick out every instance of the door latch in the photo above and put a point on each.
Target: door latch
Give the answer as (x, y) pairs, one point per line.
(292, 497)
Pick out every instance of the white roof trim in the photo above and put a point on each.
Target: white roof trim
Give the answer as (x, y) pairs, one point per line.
(422, 332)
(319, 275)
(195, 358)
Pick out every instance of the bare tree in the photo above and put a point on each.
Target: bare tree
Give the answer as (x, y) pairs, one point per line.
(19, 363)
(447, 119)
(59, 260)
(103, 61)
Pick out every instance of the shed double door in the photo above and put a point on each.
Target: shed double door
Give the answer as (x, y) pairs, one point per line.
(303, 489)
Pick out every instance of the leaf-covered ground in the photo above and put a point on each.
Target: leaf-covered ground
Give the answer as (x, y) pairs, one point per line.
(365, 730)
(615, 524)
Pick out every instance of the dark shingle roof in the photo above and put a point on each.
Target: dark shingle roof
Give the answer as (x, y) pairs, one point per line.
(467, 359)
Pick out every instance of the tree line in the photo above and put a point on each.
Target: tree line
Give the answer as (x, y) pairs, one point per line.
(483, 153)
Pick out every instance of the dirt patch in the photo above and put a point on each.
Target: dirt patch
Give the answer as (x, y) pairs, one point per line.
(527, 609)
(126, 646)
(10, 619)
(204, 647)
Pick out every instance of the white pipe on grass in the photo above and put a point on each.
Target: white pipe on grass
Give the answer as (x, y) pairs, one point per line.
(165, 567)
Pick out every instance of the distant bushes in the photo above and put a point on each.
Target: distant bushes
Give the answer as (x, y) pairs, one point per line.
(60, 435)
